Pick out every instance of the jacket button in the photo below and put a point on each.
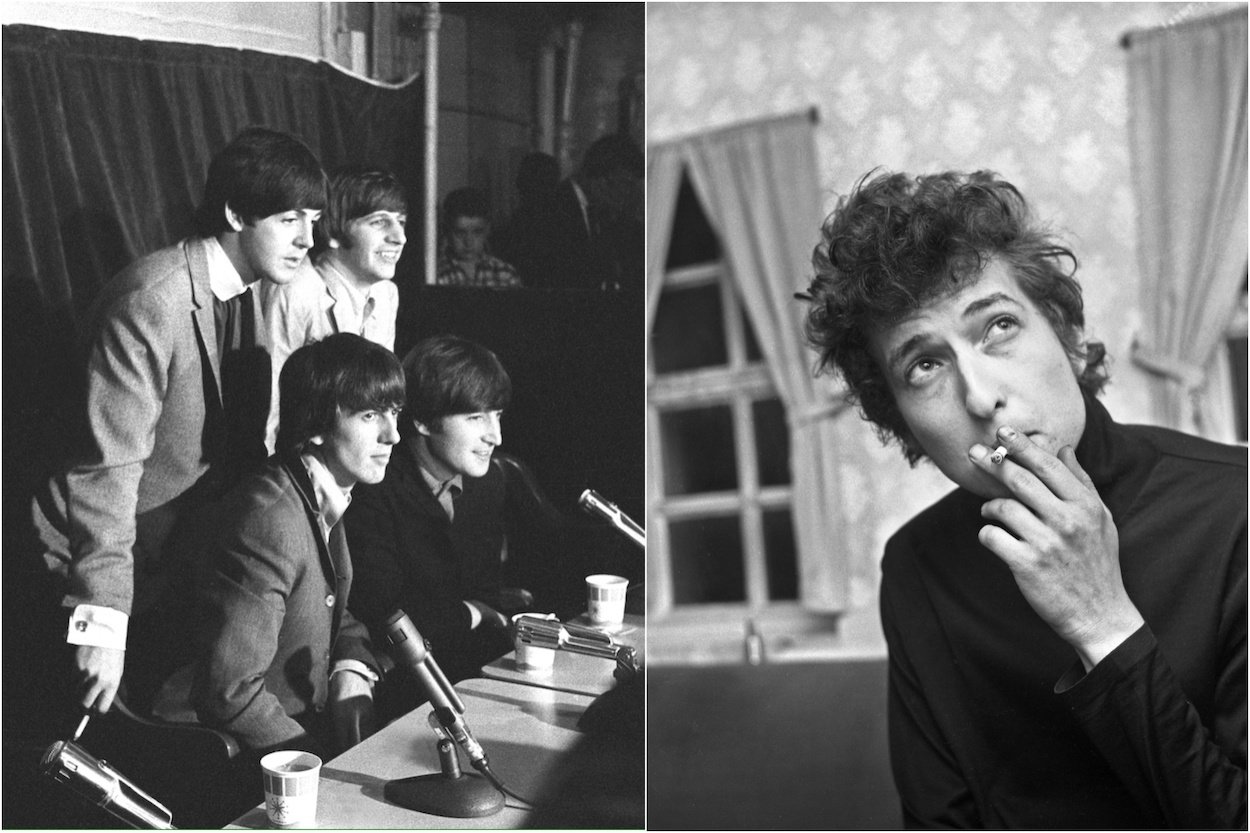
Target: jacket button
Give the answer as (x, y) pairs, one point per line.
(330, 600)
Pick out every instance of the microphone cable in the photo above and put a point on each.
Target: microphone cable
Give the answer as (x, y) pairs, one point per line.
(497, 783)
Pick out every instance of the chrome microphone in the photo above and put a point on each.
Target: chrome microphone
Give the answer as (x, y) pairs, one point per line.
(409, 649)
(595, 504)
(551, 633)
(95, 780)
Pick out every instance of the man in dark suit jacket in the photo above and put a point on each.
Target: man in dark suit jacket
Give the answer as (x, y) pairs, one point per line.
(594, 239)
(278, 645)
(428, 539)
(176, 385)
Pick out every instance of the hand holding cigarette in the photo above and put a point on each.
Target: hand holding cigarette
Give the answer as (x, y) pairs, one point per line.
(1060, 542)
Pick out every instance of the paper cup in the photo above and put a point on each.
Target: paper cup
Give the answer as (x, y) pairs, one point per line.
(530, 658)
(291, 779)
(605, 599)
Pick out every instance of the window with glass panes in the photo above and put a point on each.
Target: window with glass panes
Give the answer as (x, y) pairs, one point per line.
(720, 441)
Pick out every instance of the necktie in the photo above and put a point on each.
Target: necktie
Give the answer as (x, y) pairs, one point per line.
(365, 314)
(244, 379)
(235, 323)
(447, 494)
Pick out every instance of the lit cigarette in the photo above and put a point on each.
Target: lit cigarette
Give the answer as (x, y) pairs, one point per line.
(82, 724)
(999, 454)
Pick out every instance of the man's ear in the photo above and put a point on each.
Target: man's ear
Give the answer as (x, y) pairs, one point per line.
(422, 428)
(232, 218)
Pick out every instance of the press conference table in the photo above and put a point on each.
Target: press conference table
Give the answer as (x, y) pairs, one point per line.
(524, 729)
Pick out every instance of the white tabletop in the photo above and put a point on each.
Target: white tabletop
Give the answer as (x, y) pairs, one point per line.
(522, 728)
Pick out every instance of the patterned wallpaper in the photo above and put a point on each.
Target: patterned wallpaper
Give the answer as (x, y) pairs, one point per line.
(1034, 91)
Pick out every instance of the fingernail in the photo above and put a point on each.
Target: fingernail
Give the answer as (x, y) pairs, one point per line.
(1007, 432)
(977, 453)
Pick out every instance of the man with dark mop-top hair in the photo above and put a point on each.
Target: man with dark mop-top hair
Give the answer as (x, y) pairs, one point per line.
(282, 662)
(349, 285)
(1066, 629)
(428, 539)
(177, 383)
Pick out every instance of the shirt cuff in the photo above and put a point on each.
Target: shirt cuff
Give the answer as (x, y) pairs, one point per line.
(97, 626)
(1076, 682)
(356, 666)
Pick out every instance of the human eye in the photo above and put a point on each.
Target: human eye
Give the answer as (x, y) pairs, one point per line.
(921, 370)
(1001, 327)
(368, 416)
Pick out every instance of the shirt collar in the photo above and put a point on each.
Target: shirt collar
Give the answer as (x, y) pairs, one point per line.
(1117, 460)
(436, 486)
(332, 500)
(343, 289)
(222, 276)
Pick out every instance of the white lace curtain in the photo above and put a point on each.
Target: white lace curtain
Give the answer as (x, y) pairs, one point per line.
(1187, 90)
(758, 184)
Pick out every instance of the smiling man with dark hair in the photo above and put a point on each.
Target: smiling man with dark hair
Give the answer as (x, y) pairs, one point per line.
(1067, 629)
(349, 287)
(429, 538)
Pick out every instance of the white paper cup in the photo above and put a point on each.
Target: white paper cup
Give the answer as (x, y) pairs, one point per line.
(605, 599)
(291, 779)
(530, 658)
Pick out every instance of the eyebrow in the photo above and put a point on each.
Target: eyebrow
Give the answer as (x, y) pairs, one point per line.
(898, 354)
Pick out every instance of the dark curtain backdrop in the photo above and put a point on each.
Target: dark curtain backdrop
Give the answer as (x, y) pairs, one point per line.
(106, 144)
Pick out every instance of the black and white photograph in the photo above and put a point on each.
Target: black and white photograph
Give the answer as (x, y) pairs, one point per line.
(869, 607)
(625, 415)
(323, 329)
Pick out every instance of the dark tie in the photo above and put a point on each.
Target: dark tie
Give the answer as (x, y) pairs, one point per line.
(365, 313)
(447, 494)
(244, 379)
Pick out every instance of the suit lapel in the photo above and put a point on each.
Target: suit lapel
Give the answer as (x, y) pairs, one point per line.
(330, 561)
(202, 307)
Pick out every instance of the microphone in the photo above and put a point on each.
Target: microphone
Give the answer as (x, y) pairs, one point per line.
(551, 633)
(449, 792)
(595, 504)
(409, 649)
(95, 780)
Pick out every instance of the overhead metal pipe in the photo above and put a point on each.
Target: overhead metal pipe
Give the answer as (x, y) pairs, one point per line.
(430, 22)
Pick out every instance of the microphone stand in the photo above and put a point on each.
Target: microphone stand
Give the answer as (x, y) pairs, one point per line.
(595, 504)
(449, 792)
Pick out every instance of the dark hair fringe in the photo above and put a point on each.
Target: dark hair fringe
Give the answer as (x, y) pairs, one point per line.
(260, 173)
(344, 372)
(354, 192)
(449, 375)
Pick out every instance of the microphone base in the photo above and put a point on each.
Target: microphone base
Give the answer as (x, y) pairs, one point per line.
(467, 796)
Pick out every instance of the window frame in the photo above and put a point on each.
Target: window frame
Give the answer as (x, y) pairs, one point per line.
(738, 384)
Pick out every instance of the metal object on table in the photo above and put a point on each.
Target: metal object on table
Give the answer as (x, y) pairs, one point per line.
(552, 633)
(95, 780)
